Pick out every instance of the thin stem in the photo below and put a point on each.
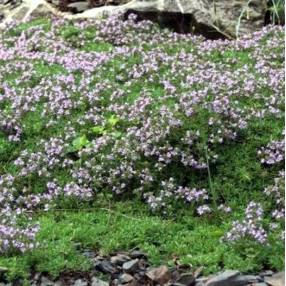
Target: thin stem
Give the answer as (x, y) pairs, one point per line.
(213, 193)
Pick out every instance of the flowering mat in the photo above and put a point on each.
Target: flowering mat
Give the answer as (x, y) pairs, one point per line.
(116, 134)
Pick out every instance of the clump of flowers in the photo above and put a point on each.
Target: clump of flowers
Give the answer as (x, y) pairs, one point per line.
(12, 236)
(116, 107)
(273, 153)
(170, 192)
(251, 227)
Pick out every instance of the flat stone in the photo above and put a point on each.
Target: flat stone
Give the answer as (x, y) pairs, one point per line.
(130, 266)
(137, 254)
(104, 266)
(119, 259)
(160, 275)
(242, 280)
(223, 278)
(46, 281)
(266, 273)
(89, 253)
(98, 282)
(277, 279)
(187, 279)
(125, 278)
(80, 282)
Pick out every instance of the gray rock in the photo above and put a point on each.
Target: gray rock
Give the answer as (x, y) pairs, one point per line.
(160, 275)
(80, 282)
(98, 282)
(260, 284)
(125, 278)
(104, 266)
(223, 279)
(130, 266)
(277, 279)
(137, 254)
(222, 17)
(242, 280)
(119, 259)
(266, 273)
(89, 253)
(187, 279)
(219, 16)
(46, 281)
(201, 281)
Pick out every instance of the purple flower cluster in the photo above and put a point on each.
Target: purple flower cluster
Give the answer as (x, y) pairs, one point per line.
(14, 237)
(250, 227)
(170, 192)
(273, 153)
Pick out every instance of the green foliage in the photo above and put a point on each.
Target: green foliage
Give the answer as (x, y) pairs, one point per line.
(79, 143)
(109, 226)
(277, 11)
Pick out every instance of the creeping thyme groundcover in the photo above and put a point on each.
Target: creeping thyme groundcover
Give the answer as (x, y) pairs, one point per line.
(125, 111)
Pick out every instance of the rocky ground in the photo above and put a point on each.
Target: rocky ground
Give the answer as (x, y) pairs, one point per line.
(132, 269)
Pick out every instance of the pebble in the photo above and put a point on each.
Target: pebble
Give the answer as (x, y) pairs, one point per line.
(160, 275)
(98, 282)
(119, 259)
(137, 254)
(130, 266)
(46, 281)
(125, 278)
(104, 266)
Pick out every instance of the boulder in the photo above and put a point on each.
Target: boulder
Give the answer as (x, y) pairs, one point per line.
(229, 18)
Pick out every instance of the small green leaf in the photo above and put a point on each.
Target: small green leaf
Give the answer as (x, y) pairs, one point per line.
(116, 134)
(112, 121)
(80, 142)
(98, 130)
